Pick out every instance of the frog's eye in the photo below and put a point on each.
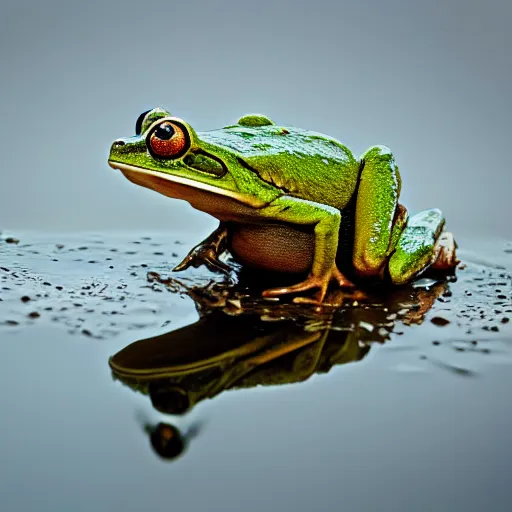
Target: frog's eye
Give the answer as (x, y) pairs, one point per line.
(168, 139)
(140, 120)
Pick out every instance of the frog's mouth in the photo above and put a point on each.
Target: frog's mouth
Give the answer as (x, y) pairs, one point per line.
(178, 187)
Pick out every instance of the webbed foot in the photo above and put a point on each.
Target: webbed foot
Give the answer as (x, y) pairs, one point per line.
(203, 254)
(312, 282)
(207, 253)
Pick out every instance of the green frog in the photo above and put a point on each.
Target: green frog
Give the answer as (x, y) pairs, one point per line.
(288, 200)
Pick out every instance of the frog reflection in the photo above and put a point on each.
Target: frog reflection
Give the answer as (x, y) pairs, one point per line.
(235, 345)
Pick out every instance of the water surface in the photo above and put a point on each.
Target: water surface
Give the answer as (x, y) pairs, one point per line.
(405, 407)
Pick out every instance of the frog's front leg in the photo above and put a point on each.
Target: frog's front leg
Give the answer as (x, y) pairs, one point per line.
(379, 219)
(207, 252)
(325, 221)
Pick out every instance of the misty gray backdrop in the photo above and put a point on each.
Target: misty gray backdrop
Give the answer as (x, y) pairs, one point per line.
(430, 79)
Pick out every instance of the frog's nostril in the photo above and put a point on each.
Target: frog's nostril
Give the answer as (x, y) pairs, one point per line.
(118, 143)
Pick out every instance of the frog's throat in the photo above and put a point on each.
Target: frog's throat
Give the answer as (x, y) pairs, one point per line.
(132, 173)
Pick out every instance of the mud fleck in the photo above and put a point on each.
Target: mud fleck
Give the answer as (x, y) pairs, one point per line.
(439, 321)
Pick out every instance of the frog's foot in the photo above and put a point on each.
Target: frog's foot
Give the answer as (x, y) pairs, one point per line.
(203, 254)
(321, 282)
(445, 253)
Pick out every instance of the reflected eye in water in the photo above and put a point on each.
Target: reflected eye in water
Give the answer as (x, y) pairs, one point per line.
(168, 399)
(167, 441)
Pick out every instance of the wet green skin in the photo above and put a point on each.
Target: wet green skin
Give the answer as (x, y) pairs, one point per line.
(261, 173)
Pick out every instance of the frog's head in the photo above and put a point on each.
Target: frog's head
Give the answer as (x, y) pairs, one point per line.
(167, 155)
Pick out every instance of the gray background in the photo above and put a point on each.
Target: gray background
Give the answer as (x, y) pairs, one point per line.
(430, 79)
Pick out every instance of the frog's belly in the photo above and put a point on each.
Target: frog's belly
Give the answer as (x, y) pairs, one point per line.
(273, 247)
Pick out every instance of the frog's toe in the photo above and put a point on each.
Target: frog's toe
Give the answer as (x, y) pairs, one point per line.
(215, 265)
(312, 282)
(342, 281)
(445, 252)
(203, 255)
(192, 259)
(309, 284)
(314, 301)
(186, 263)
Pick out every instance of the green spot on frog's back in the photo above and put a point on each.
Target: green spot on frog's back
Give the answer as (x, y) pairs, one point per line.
(254, 120)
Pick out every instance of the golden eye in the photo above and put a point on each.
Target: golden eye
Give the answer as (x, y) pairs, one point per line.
(168, 140)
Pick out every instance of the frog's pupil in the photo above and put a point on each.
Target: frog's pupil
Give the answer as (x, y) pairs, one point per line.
(164, 132)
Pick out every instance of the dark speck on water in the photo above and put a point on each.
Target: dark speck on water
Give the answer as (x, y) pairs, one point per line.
(171, 380)
(440, 321)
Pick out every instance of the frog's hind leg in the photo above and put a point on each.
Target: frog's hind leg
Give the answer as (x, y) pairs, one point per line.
(421, 246)
(379, 218)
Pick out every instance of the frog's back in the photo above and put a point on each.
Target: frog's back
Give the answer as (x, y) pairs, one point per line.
(302, 163)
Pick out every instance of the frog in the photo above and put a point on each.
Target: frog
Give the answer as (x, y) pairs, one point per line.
(288, 200)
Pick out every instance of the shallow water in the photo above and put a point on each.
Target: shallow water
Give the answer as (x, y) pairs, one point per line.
(399, 401)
